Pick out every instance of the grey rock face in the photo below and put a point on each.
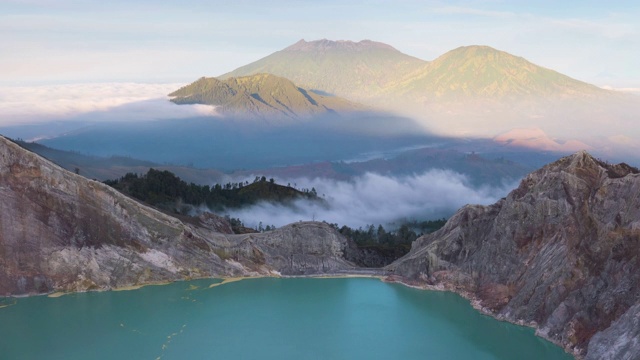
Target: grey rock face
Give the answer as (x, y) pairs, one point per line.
(303, 248)
(60, 231)
(562, 251)
(620, 341)
(215, 223)
(369, 258)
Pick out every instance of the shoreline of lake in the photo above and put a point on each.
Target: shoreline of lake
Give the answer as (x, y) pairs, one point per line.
(364, 273)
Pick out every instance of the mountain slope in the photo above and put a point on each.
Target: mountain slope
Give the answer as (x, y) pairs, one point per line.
(482, 71)
(561, 252)
(355, 70)
(62, 232)
(262, 96)
(481, 91)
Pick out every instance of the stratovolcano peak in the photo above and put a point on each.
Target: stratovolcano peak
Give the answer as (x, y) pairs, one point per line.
(329, 45)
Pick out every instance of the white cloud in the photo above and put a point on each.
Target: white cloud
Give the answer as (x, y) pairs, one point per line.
(93, 102)
(631, 90)
(375, 199)
(473, 11)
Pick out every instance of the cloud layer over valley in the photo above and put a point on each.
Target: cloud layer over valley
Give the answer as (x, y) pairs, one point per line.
(375, 199)
(92, 102)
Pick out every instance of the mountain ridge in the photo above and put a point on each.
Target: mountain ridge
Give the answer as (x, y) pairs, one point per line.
(303, 45)
(470, 91)
(355, 70)
(487, 71)
(260, 96)
(483, 71)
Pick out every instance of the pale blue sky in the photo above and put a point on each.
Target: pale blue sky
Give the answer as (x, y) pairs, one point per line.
(71, 41)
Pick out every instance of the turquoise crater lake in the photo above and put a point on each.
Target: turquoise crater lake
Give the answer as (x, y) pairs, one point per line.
(267, 318)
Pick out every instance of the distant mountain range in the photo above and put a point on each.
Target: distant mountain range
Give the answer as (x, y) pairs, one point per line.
(262, 96)
(468, 91)
(367, 70)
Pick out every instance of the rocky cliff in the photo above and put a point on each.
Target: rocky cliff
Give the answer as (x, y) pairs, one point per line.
(61, 231)
(561, 252)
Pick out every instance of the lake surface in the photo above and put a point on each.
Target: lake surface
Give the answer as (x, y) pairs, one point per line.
(352, 318)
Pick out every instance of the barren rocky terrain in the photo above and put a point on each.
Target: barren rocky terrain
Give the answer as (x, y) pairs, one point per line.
(62, 232)
(561, 252)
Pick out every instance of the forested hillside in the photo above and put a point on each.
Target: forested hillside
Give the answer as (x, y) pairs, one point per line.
(165, 190)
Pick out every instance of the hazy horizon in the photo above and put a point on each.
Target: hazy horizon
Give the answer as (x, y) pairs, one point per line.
(73, 41)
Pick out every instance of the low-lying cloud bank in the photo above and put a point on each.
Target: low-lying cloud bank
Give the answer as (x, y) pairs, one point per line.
(375, 199)
(94, 102)
(632, 90)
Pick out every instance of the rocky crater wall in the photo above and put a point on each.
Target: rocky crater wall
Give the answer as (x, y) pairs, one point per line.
(62, 232)
(561, 252)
